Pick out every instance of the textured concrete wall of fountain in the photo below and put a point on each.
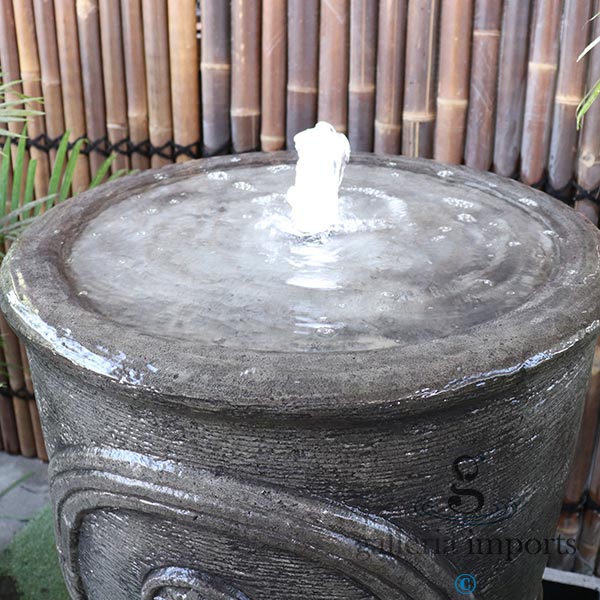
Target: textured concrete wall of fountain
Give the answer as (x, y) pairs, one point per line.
(238, 411)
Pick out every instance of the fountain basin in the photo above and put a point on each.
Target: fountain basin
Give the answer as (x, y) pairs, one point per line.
(238, 412)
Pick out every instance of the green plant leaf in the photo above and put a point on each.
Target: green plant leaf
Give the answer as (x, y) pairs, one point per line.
(587, 102)
(57, 168)
(102, 171)
(4, 177)
(29, 185)
(18, 171)
(69, 171)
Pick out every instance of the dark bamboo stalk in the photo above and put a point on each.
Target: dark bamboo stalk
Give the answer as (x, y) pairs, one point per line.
(361, 87)
(88, 26)
(453, 84)
(570, 517)
(418, 117)
(36, 425)
(216, 76)
(512, 73)
(156, 50)
(113, 69)
(569, 91)
(185, 74)
(588, 159)
(48, 56)
(9, 58)
(72, 90)
(539, 96)
(274, 60)
(135, 77)
(8, 424)
(303, 66)
(479, 143)
(390, 76)
(12, 354)
(334, 58)
(31, 75)
(245, 74)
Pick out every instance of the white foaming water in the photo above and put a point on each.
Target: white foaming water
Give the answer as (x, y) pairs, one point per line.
(322, 156)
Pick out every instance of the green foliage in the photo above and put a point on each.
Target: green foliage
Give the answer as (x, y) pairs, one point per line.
(592, 94)
(13, 106)
(17, 205)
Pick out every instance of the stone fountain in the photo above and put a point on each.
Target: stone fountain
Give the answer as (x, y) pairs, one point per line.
(240, 402)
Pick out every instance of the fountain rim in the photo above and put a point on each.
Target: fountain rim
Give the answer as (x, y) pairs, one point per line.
(40, 306)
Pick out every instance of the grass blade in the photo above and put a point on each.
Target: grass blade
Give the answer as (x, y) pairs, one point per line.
(102, 171)
(69, 171)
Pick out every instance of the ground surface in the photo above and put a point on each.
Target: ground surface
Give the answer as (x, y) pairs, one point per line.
(28, 560)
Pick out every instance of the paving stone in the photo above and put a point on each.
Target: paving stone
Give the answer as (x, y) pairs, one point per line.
(23, 492)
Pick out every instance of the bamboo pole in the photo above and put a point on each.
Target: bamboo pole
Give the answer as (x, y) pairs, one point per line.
(50, 71)
(72, 90)
(569, 91)
(12, 354)
(390, 76)
(156, 50)
(569, 521)
(90, 53)
(216, 76)
(8, 424)
(245, 74)
(303, 66)
(113, 71)
(588, 543)
(418, 117)
(334, 63)
(36, 425)
(31, 74)
(135, 78)
(274, 58)
(512, 74)
(588, 159)
(539, 96)
(185, 74)
(361, 87)
(479, 143)
(9, 58)
(453, 84)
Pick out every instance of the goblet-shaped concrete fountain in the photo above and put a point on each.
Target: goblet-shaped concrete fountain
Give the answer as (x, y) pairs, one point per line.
(239, 405)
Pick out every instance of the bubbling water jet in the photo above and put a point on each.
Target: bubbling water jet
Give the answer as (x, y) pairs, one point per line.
(322, 156)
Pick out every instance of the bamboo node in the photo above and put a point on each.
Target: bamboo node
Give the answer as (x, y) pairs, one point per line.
(387, 126)
(486, 33)
(271, 138)
(459, 102)
(361, 88)
(568, 99)
(245, 112)
(301, 89)
(538, 66)
(211, 66)
(418, 116)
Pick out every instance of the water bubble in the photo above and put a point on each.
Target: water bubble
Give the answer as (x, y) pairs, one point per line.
(152, 211)
(218, 175)
(466, 218)
(174, 201)
(326, 331)
(513, 244)
(527, 201)
(159, 176)
(445, 228)
(485, 282)
(235, 159)
(438, 238)
(458, 202)
(83, 293)
(244, 186)
(246, 372)
(445, 173)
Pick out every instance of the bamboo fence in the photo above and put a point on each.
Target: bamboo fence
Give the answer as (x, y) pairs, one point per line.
(490, 83)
